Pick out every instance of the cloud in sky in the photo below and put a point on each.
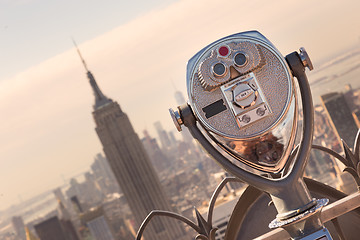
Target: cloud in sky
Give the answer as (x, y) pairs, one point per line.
(47, 128)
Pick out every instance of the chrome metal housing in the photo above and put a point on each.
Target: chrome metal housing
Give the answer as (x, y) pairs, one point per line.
(251, 111)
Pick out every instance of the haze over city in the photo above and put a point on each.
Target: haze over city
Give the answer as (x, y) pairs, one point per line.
(137, 53)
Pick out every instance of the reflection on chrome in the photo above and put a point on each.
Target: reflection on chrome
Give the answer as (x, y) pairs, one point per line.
(268, 152)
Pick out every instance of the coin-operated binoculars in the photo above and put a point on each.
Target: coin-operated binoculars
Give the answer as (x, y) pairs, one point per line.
(243, 109)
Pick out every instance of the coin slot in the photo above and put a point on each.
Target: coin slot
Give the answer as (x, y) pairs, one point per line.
(214, 108)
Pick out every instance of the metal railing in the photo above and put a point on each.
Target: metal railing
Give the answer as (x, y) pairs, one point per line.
(329, 213)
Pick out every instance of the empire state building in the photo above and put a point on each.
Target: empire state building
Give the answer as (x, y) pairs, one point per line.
(131, 166)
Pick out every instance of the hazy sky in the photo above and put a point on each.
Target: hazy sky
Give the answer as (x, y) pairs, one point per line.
(137, 51)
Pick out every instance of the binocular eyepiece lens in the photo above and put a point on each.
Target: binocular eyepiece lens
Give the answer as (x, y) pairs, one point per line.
(240, 59)
(219, 69)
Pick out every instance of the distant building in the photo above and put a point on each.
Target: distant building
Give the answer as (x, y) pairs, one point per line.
(66, 223)
(60, 196)
(74, 189)
(179, 97)
(19, 227)
(98, 224)
(340, 117)
(101, 167)
(118, 213)
(61, 200)
(89, 192)
(76, 204)
(103, 175)
(131, 165)
(163, 136)
(54, 229)
(172, 138)
(157, 157)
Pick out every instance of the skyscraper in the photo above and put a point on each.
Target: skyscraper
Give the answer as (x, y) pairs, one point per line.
(131, 165)
(60, 197)
(98, 224)
(179, 97)
(19, 227)
(340, 117)
(103, 175)
(54, 229)
(157, 157)
(66, 223)
(163, 136)
(101, 168)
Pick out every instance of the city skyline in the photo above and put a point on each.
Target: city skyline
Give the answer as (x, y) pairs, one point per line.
(48, 130)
